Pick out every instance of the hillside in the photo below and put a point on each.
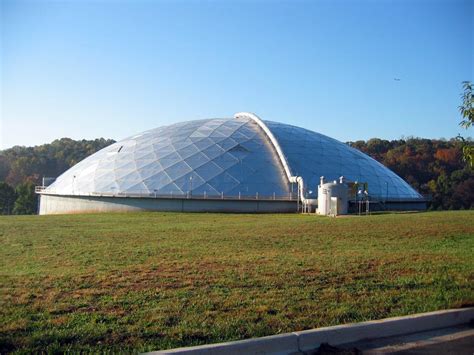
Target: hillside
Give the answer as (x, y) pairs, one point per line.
(20, 164)
(433, 167)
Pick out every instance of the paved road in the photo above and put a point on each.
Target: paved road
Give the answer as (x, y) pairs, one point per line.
(455, 340)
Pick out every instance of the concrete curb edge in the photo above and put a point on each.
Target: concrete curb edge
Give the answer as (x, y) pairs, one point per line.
(306, 340)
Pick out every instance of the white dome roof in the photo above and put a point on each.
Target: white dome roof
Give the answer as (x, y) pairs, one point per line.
(231, 157)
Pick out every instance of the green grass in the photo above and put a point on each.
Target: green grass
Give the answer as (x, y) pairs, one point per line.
(146, 281)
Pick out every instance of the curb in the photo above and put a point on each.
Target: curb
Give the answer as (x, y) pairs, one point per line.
(297, 342)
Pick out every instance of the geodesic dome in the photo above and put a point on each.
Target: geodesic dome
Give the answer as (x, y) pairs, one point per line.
(229, 157)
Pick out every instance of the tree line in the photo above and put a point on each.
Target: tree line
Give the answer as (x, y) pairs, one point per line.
(22, 168)
(434, 167)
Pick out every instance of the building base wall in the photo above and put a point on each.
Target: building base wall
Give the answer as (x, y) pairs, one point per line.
(405, 206)
(55, 204)
(389, 206)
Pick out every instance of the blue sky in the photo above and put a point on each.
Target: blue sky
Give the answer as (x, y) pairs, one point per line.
(87, 69)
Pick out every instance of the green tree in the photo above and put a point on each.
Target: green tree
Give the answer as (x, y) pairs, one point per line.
(467, 119)
(26, 201)
(7, 198)
(20, 164)
(467, 107)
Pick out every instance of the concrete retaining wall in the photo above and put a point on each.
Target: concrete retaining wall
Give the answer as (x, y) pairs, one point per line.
(55, 204)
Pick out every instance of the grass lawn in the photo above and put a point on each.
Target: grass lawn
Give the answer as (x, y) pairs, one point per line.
(147, 281)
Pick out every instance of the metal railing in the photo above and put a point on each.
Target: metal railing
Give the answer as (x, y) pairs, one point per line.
(40, 189)
(408, 198)
(291, 196)
(175, 195)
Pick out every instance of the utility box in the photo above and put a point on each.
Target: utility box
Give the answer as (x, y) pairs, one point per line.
(333, 197)
(337, 206)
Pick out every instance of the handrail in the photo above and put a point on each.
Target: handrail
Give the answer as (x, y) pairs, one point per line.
(257, 197)
(39, 189)
(44, 190)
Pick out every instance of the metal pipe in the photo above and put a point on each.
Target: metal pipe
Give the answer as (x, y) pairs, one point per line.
(291, 178)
